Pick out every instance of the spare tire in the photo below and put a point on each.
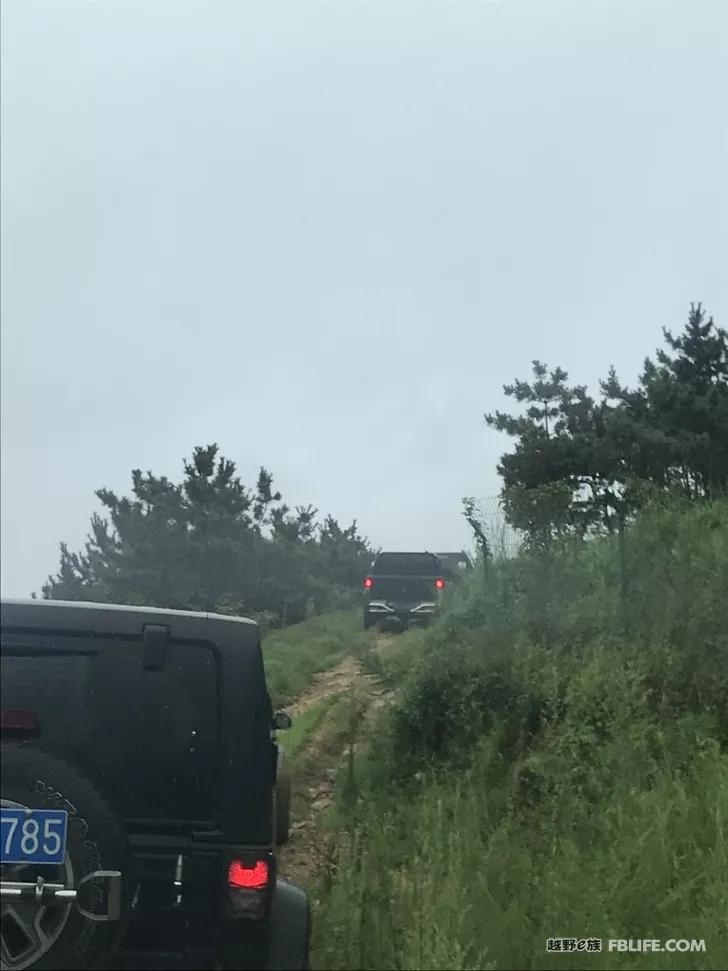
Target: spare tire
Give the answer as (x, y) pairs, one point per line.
(55, 934)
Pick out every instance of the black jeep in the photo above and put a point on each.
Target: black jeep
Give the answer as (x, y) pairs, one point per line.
(402, 590)
(138, 786)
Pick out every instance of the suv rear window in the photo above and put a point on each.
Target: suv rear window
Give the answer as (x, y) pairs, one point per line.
(120, 723)
(406, 564)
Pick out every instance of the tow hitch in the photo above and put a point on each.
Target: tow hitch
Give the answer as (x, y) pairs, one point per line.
(42, 892)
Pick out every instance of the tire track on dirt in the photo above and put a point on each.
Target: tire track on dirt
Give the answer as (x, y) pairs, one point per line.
(334, 681)
(302, 857)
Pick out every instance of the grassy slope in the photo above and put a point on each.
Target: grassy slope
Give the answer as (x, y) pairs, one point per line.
(292, 656)
(555, 766)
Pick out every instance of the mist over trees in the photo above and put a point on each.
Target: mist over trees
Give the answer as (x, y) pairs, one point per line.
(211, 543)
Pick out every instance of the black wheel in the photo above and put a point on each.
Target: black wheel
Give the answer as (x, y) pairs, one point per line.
(283, 807)
(56, 935)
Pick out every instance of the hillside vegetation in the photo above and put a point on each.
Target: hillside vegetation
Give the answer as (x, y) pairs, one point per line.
(543, 773)
(554, 763)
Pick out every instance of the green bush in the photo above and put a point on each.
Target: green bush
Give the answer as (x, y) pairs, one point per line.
(450, 701)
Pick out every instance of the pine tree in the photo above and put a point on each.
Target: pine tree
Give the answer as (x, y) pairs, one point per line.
(210, 543)
(564, 472)
(673, 430)
(581, 464)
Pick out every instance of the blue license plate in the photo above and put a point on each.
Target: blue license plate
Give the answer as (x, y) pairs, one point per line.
(33, 835)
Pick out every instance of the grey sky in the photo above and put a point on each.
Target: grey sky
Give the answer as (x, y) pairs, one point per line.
(324, 236)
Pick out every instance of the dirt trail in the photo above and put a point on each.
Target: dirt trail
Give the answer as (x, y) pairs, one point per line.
(332, 682)
(313, 787)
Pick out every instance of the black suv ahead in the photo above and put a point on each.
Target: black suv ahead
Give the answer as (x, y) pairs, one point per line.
(138, 785)
(402, 590)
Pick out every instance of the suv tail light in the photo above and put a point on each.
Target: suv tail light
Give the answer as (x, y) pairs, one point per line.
(250, 884)
(247, 877)
(439, 584)
(368, 583)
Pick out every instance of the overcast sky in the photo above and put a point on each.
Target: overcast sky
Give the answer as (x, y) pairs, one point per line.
(324, 235)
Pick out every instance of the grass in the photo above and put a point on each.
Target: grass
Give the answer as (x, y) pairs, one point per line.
(304, 726)
(449, 880)
(555, 765)
(294, 655)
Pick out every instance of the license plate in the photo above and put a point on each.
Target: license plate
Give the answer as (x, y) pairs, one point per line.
(33, 835)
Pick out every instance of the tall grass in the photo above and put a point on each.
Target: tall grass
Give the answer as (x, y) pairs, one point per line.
(555, 766)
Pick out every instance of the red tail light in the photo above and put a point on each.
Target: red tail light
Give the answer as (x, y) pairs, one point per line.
(439, 583)
(242, 876)
(21, 721)
(368, 582)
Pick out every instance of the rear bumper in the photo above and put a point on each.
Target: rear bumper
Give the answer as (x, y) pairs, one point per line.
(281, 943)
(184, 906)
(378, 611)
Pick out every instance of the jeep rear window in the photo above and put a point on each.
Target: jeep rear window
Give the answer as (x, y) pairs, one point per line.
(100, 709)
(406, 564)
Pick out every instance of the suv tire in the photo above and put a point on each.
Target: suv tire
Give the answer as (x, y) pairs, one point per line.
(32, 779)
